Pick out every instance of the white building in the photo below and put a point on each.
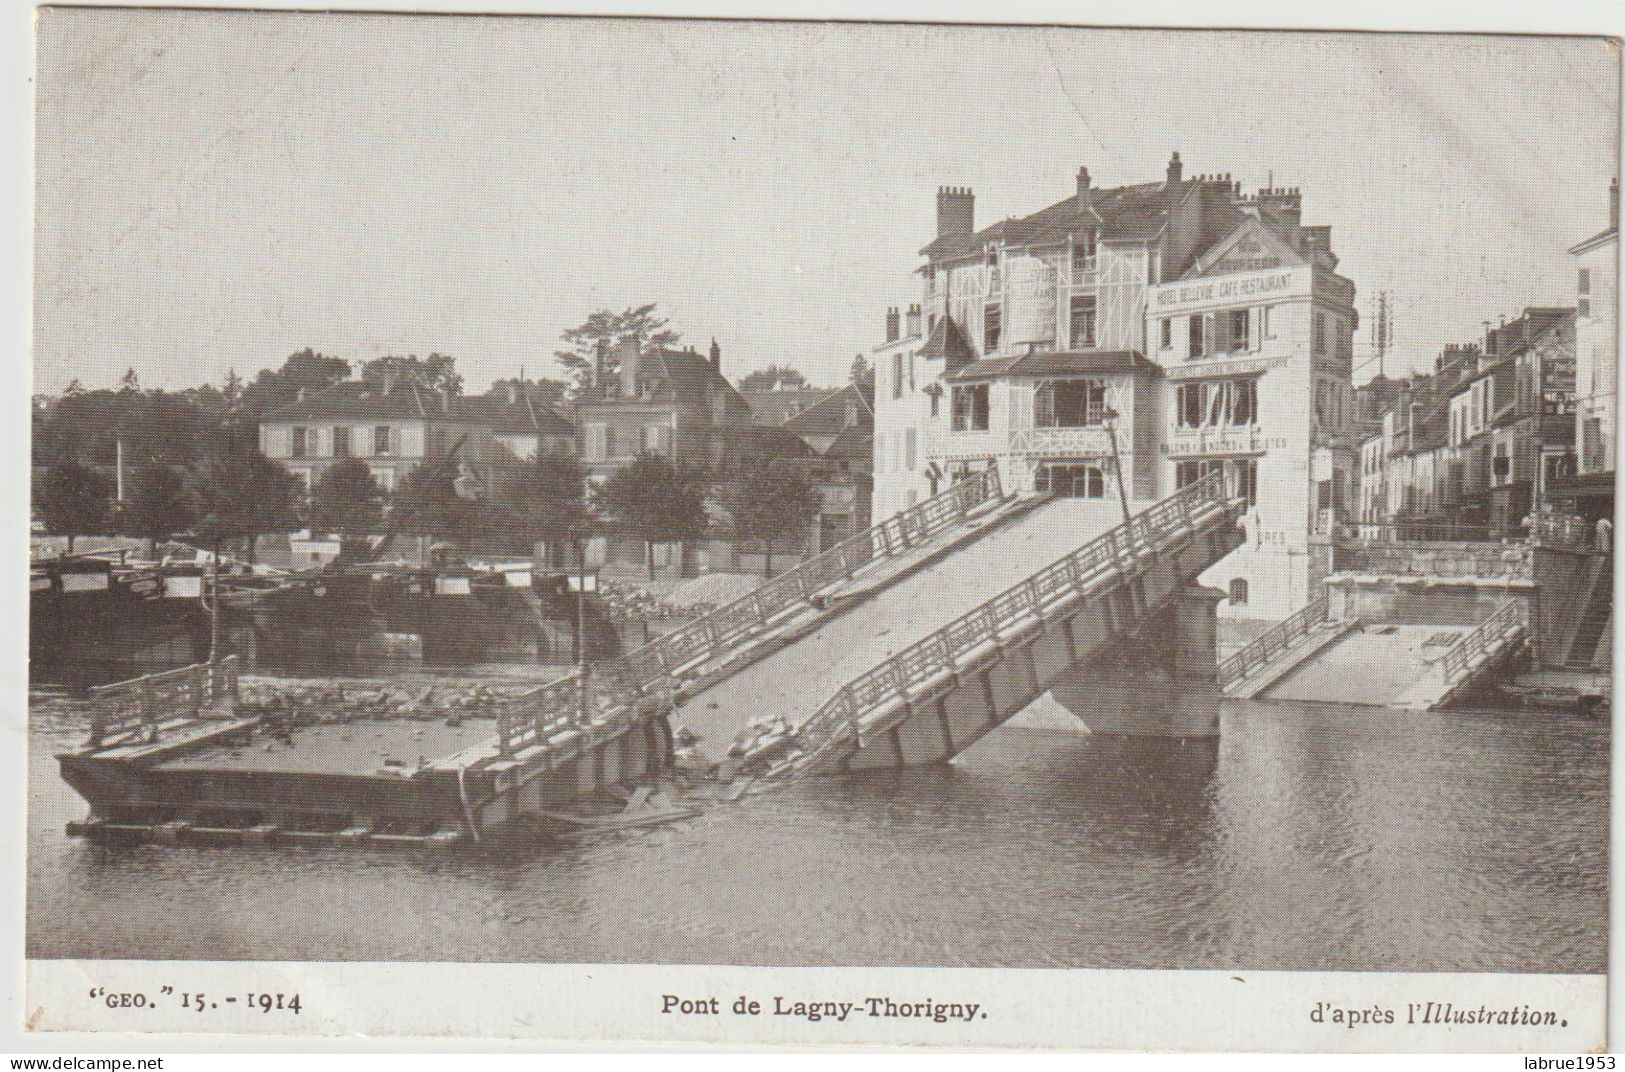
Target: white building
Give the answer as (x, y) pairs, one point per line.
(1166, 330)
(1596, 364)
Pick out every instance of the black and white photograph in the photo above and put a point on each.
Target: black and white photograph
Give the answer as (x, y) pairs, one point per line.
(551, 491)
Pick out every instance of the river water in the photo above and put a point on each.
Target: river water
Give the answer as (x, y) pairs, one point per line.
(1310, 837)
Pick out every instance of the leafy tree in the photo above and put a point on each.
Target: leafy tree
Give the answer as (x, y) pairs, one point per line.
(242, 494)
(74, 387)
(656, 501)
(427, 503)
(305, 369)
(548, 501)
(74, 500)
(772, 499)
(129, 381)
(157, 504)
(639, 322)
(348, 501)
(863, 373)
(437, 372)
(772, 378)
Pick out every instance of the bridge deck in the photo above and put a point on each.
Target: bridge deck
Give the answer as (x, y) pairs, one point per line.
(795, 680)
(360, 747)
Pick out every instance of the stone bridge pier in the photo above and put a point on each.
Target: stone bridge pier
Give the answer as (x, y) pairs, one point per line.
(1160, 682)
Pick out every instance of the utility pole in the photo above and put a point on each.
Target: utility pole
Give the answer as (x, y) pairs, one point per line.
(1108, 417)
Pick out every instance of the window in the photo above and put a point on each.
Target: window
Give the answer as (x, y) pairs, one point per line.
(380, 439)
(1083, 252)
(993, 315)
(897, 375)
(1582, 306)
(1071, 481)
(1069, 403)
(1188, 473)
(935, 393)
(970, 408)
(1167, 333)
(1591, 444)
(851, 414)
(1320, 334)
(1584, 286)
(298, 442)
(1194, 328)
(1238, 592)
(1224, 403)
(611, 448)
(434, 442)
(385, 478)
(1239, 330)
(1241, 480)
(1083, 322)
(341, 442)
(908, 449)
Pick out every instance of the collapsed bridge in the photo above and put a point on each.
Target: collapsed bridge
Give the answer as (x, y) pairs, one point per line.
(902, 645)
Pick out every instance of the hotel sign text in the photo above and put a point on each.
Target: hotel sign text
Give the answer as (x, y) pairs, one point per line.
(1218, 290)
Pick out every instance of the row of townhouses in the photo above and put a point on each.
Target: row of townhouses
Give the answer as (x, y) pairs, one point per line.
(1520, 423)
(664, 400)
(1126, 342)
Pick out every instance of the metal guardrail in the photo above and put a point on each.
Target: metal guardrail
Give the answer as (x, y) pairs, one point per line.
(1270, 643)
(133, 710)
(1562, 530)
(1509, 619)
(614, 685)
(1071, 575)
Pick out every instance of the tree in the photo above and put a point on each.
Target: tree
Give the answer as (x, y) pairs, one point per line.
(348, 501)
(863, 373)
(771, 500)
(303, 370)
(74, 500)
(772, 378)
(157, 504)
(427, 503)
(242, 494)
(656, 501)
(639, 323)
(437, 372)
(549, 501)
(129, 381)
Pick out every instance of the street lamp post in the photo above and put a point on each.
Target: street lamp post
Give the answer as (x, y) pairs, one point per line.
(1108, 418)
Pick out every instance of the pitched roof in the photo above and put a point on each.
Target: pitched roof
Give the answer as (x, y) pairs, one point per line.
(683, 375)
(522, 416)
(363, 400)
(948, 341)
(779, 405)
(1058, 363)
(1595, 240)
(359, 400)
(1124, 213)
(828, 417)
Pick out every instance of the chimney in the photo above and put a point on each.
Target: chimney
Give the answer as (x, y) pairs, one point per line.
(956, 210)
(1613, 204)
(893, 327)
(716, 355)
(1083, 189)
(913, 321)
(626, 351)
(1176, 170)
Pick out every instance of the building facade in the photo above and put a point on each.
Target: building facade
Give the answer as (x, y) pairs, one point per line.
(1124, 342)
(1596, 345)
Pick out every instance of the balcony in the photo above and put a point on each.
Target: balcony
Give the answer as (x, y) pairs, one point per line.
(1201, 442)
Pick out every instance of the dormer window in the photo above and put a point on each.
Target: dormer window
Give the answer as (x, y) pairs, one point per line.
(1083, 252)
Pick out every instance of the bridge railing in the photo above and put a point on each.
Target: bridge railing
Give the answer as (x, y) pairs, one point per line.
(1562, 530)
(1140, 535)
(1510, 618)
(614, 684)
(134, 710)
(1270, 643)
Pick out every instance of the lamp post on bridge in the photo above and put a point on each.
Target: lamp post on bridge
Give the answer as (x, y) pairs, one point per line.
(1108, 418)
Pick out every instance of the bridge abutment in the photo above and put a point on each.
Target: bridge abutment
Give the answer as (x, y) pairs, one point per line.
(1163, 684)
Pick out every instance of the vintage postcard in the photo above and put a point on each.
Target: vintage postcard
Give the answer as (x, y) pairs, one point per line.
(776, 533)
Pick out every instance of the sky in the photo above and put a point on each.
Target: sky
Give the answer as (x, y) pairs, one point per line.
(216, 190)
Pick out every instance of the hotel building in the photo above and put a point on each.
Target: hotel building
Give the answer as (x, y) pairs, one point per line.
(1127, 341)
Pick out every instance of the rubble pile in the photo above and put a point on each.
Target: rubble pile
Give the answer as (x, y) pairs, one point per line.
(334, 702)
